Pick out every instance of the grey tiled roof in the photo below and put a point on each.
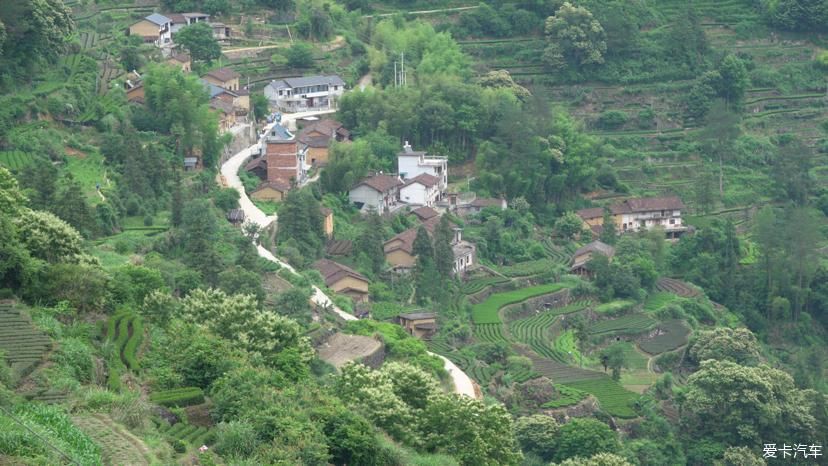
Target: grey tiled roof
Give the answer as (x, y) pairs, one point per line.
(160, 20)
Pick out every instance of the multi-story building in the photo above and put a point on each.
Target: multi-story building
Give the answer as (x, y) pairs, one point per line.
(154, 29)
(411, 164)
(305, 93)
(640, 214)
(284, 157)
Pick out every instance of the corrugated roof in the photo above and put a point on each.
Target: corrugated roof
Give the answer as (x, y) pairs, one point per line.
(158, 19)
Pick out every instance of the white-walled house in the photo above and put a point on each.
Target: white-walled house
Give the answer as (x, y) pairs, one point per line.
(411, 164)
(305, 93)
(640, 214)
(378, 192)
(422, 190)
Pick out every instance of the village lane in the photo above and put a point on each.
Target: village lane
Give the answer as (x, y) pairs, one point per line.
(463, 385)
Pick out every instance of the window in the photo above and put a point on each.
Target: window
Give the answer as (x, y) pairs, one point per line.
(672, 221)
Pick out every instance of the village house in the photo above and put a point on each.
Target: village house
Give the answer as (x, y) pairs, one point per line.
(224, 78)
(378, 192)
(181, 60)
(480, 203)
(422, 325)
(272, 191)
(221, 31)
(422, 190)
(343, 280)
(319, 135)
(583, 255)
(399, 250)
(639, 214)
(284, 157)
(424, 213)
(134, 90)
(180, 20)
(305, 93)
(411, 164)
(226, 112)
(153, 29)
(327, 221)
(239, 99)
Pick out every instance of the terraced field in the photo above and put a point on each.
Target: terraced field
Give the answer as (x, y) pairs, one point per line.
(190, 434)
(15, 160)
(487, 311)
(126, 330)
(626, 325)
(118, 446)
(492, 333)
(614, 399)
(477, 285)
(675, 335)
(677, 287)
(658, 300)
(560, 372)
(23, 344)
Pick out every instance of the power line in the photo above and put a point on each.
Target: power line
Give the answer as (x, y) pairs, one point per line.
(10, 415)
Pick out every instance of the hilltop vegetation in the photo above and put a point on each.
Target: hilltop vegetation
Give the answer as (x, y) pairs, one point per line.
(137, 325)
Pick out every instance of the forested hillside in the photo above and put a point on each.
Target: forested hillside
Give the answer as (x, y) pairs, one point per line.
(627, 263)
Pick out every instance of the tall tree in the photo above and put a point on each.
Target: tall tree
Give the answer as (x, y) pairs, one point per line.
(40, 180)
(199, 41)
(371, 240)
(73, 207)
(608, 234)
(721, 129)
(443, 253)
(33, 30)
(574, 37)
(300, 220)
(199, 236)
(422, 244)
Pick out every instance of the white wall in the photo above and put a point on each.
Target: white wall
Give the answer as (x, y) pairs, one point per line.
(368, 196)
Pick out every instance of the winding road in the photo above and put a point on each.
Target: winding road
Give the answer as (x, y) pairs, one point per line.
(230, 172)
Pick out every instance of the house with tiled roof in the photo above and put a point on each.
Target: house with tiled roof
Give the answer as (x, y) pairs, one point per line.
(343, 279)
(153, 29)
(419, 324)
(412, 163)
(425, 213)
(318, 136)
(638, 214)
(273, 191)
(378, 192)
(399, 250)
(224, 78)
(181, 60)
(583, 255)
(423, 190)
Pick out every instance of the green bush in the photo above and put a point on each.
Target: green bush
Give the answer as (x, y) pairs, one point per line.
(612, 119)
(822, 60)
(186, 396)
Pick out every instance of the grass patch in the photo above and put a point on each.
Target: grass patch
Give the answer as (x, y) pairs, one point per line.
(268, 207)
(567, 396)
(487, 311)
(614, 307)
(88, 171)
(658, 300)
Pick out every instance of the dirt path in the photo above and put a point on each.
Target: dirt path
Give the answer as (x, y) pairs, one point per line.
(118, 445)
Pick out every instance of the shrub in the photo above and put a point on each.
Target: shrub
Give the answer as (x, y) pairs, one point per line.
(133, 343)
(822, 60)
(186, 396)
(237, 438)
(178, 445)
(612, 119)
(148, 220)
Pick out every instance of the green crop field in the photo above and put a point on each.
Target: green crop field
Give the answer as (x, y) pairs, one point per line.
(567, 396)
(635, 360)
(527, 269)
(23, 344)
(630, 324)
(15, 160)
(188, 433)
(675, 335)
(613, 306)
(658, 300)
(479, 284)
(614, 399)
(489, 332)
(487, 311)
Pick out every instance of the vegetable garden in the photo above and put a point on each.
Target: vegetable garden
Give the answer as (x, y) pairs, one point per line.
(16, 160)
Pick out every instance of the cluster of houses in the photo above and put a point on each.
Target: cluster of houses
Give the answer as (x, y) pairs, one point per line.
(160, 30)
(284, 158)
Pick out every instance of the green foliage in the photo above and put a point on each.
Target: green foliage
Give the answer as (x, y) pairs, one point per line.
(300, 55)
(725, 344)
(537, 434)
(52, 424)
(487, 311)
(575, 38)
(187, 396)
(584, 438)
(301, 223)
(612, 119)
(199, 42)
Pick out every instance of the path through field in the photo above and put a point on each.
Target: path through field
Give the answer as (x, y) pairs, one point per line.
(118, 446)
(230, 174)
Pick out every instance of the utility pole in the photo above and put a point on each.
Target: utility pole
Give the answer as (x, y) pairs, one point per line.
(402, 72)
(289, 35)
(395, 74)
